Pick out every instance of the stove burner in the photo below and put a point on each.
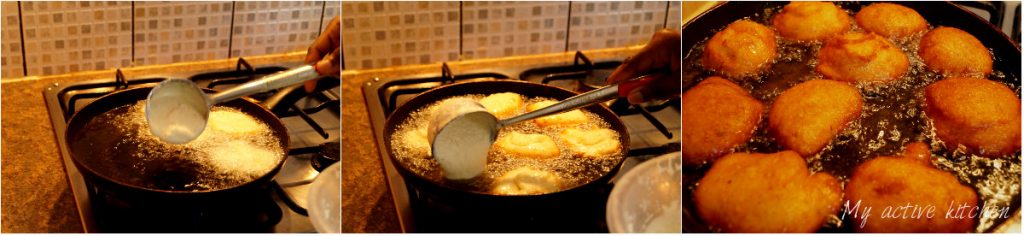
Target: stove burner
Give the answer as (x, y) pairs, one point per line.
(329, 153)
(396, 93)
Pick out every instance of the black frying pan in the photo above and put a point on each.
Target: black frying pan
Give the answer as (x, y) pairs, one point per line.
(1006, 55)
(485, 212)
(130, 96)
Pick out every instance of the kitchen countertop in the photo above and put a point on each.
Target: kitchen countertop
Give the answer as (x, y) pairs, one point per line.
(366, 200)
(36, 196)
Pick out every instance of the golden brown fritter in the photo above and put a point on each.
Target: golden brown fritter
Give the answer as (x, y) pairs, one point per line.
(526, 181)
(717, 115)
(952, 51)
(536, 146)
(744, 192)
(811, 21)
(743, 48)
(807, 116)
(592, 143)
(906, 184)
(502, 105)
(891, 20)
(861, 57)
(980, 114)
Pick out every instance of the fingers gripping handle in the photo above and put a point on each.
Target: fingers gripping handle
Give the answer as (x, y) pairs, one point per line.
(632, 84)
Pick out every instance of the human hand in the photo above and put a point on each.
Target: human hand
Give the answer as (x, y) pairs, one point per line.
(324, 53)
(661, 57)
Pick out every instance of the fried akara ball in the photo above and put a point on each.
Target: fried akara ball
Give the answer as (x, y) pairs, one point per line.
(811, 21)
(536, 146)
(861, 57)
(590, 143)
(526, 181)
(502, 105)
(717, 115)
(894, 183)
(891, 20)
(742, 48)
(979, 114)
(753, 192)
(807, 116)
(952, 51)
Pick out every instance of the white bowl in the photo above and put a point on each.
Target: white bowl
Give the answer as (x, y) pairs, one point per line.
(647, 198)
(324, 200)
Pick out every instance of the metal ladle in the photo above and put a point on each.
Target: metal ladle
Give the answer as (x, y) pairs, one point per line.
(462, 131)
(177, 109)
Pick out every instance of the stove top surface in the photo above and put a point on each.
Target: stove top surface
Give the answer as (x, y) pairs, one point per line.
(653, 129)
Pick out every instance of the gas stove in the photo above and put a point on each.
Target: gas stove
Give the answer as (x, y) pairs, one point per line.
(653, 129)
(313, 123)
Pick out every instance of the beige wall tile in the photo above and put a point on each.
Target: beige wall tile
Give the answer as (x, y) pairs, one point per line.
(496, 29)
(275, 27)
(332, 10)
(10, 47)
(168, 32)
(381, 34)
(63, 37)
(675, 15)
(614, 24)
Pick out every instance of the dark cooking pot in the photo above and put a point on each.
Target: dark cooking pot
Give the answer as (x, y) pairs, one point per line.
(1006, 58)
(469, 211)
(184, 206)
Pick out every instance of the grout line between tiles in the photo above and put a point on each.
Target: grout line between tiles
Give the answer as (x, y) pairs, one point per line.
(231, 30)
(668, 5)
(323, 13)
(21, 30)
(133, 35)
(461, 27)
(568, 25)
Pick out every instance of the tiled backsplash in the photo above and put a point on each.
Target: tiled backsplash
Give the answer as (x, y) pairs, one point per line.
(295, 25)
(167, 32)
(63, 37)
(382, 34)
(495, 29)
(10, 41)
(616, 24)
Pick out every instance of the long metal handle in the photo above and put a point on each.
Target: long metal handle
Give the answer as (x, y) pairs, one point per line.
(594, 96)
(267, 83)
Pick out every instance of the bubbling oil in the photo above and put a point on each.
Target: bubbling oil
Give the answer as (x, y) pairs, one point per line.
(233, 149)
(573, 170)
(892, 116)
